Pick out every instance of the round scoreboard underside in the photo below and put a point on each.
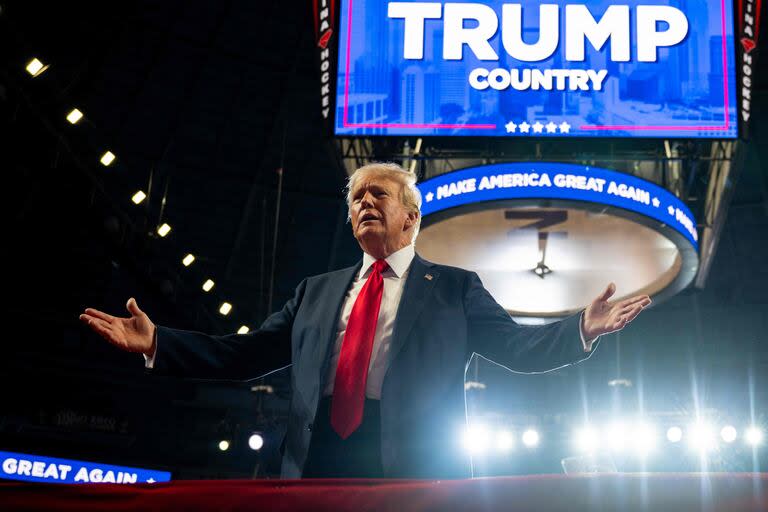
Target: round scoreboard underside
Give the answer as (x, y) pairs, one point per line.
(543, 258)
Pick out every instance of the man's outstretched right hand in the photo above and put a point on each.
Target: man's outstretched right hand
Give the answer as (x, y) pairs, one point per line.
(134, 334)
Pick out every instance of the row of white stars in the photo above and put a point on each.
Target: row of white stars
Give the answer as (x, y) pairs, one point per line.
(537, 127)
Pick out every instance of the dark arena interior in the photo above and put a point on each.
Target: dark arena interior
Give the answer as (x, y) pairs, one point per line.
(194, 156)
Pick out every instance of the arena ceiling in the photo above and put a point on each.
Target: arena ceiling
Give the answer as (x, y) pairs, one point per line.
(203, 102)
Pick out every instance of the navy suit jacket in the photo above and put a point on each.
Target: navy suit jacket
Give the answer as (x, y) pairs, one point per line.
(441, 322)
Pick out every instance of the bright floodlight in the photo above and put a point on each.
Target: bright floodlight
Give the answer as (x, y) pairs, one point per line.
(504, 441)
(255, 442)
(224, 445)
(728, 433)
(643, 439)
(208, 285)
(701, 437)
(476, 439)
(754, 436)
(616, 436)
(243, 329)
(35, 67)
(674, 434)
(225, 308)
(586, 439)
(74, 116)
(107, 158)
(164, 230)
(138, 197)
(188, 260)
(530, 438)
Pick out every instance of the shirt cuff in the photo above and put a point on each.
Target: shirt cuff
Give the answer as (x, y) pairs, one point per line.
(149, 361)
(587, 344)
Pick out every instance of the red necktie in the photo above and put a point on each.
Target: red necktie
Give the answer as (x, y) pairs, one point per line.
(352, 371)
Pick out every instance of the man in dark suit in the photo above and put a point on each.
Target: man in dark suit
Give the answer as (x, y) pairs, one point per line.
(378, 350)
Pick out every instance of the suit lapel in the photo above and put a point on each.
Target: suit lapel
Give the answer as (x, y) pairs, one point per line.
(421, 279)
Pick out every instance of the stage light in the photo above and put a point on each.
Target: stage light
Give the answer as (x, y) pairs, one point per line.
(754, 436)
(163, 230)
(107, 158)
(505, 441)
(530, 438)
(74, 116)
(208, 285)
(225, 308)
(35, 67)
(586, 439)
(138, 197)
(616, 436)
(674, 434)
(243, 329)
(476, 439)
(701, 437)
(255, 442)
(224, 445)
(728, 433)
(188, 260)
(644, 439)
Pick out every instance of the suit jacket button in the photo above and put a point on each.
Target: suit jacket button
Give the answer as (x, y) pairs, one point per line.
(309, 427)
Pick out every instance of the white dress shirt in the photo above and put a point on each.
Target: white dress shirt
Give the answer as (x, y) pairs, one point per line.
(394, 282)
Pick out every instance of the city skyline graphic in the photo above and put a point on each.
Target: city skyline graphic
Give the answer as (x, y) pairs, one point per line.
(688, 92)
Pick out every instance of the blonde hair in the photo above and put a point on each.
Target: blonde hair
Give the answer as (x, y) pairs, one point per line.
(410, 196)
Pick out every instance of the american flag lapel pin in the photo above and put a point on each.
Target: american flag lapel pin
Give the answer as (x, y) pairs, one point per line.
(428, 277)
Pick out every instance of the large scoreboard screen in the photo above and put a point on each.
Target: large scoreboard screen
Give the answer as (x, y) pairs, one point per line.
(596, 68)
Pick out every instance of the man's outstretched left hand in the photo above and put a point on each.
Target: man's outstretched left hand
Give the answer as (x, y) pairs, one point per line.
(602, 317)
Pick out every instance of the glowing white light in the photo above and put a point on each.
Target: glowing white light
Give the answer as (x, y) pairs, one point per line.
(208, 285)
(754, 436)
(586, 439)
(616, 435)
(476, 439)
(188, 260)
(728, 433)
(138, 197)
(674, 434)
(225, 308)
(74, 116)
(107, 158)
(505, 441)
(224, 445)
(35, 67)
(255, 442)
(701, 437)
(530, 438)
(164, 230)
(644, 439)
(243, 329)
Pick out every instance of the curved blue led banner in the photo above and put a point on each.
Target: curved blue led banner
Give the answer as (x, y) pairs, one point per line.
(37, 468)
(537, 180)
